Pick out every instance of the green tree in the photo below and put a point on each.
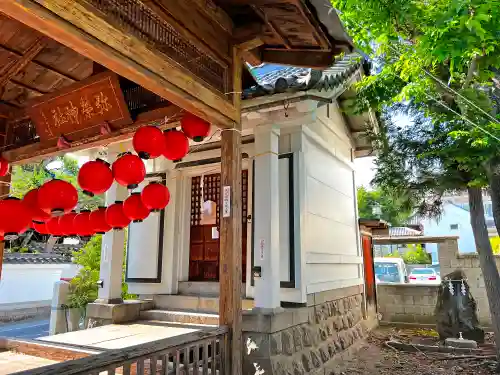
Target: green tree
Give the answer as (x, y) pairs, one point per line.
(441, 60)
(84, 287)
(495, 244)
(416, 255)
(31, 176)
(393, 209)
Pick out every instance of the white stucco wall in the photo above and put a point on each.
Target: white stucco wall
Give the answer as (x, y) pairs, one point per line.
(24, 284)
(442, 227)
(330, 243)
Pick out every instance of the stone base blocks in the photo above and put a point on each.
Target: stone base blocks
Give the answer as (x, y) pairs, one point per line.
(306, 340)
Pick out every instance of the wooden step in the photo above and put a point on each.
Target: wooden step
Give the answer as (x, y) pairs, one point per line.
(183, 317)
(177, 302)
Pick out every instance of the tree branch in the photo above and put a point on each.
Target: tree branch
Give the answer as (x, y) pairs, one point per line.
(470, 72)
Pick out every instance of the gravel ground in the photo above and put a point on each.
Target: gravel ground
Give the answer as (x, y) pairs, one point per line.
(375, 358)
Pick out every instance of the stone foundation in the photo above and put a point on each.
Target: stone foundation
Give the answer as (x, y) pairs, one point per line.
(305, 340)
(101, 314)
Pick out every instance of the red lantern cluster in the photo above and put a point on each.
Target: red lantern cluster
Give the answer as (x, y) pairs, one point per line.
(129, 170)
(98, 221)
(57, 197)
(148, 142)
(134, 209)
(176, 145)
(95, 177)
(82, 224)
(53, 227)
(4, 167)
(31, 201)
(115, 217)
(67, 224)
(15, 218)
(155, 196)
(41, 228)
(194, 127)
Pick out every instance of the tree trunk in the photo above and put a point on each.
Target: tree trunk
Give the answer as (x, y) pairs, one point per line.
(494, 181)
(486, 259)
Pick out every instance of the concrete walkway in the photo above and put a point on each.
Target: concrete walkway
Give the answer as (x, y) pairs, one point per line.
(117, 336)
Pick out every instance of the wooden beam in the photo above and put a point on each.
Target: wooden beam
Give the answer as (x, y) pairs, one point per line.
(40, 64)
(27, 87)
(84, 29)
(17, 66)
(253, 57)
(250, 44)
(39, 151)
(231, 229)
(308, 59)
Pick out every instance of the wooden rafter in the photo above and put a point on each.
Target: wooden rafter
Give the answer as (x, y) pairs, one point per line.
(83, 28)
(307, 59)
(27, 87)
(40, 64)
(315, 28)
(17, 66)
(270, 25)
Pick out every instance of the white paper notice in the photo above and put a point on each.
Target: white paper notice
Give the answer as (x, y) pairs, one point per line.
(215, 233)
(226, 201)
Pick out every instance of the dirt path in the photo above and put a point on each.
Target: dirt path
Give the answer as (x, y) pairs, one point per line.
(374, 358)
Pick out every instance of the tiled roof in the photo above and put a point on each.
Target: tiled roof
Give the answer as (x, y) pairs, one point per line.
(28, 258)
(403, 231)
(273, 79)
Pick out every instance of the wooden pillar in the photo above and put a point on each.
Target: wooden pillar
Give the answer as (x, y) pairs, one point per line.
(231, 230)
(4, 192)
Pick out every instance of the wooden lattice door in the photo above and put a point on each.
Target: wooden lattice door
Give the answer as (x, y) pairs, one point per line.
(204, 245)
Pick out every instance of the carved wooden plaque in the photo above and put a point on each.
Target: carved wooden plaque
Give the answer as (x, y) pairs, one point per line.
(79, 110)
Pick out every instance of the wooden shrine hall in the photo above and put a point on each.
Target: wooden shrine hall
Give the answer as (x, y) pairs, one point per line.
(81, 74)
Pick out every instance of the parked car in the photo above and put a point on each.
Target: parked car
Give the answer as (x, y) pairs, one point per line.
(390, 270)
(424, 276)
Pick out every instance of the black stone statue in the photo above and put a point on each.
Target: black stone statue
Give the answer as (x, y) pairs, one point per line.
(456, 309)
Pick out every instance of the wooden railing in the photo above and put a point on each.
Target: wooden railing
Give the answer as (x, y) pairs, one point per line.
(202, 352)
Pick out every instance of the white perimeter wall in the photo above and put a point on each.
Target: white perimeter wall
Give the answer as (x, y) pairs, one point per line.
(330, 230)
(26, 284)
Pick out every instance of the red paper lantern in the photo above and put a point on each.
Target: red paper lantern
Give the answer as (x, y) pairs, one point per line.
(134, 209)
(129, 170)
(98, 221)
(155, 196)
(40, 227)
(57, 197)
(31, 201)
(115, 217)
(82, 224)
(15, 217)
(176, 145)
(4, 167)
(195, 127)
(95, 177)
(149, 142)
(53, 227)
(67, 225)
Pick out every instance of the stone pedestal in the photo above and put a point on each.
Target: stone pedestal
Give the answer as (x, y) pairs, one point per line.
(101, 314)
